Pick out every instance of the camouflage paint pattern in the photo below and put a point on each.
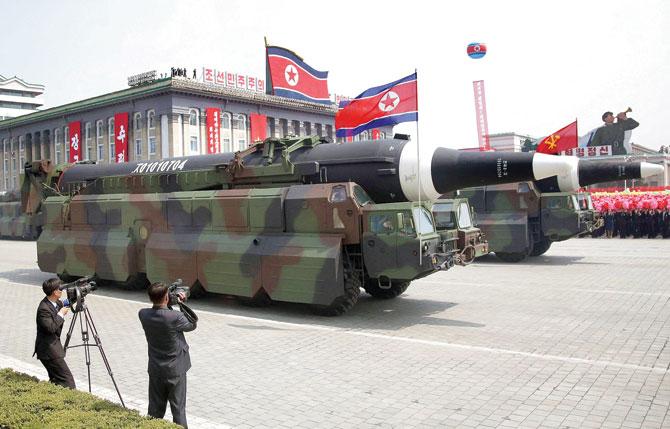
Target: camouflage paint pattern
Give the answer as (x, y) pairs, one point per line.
(454, 221)
(519, 221)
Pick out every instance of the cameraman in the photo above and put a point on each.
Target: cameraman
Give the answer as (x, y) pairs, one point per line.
(50, 318)
(168, 354)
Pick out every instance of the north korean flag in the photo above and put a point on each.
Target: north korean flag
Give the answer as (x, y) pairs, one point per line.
(291, 77)
(384, 105)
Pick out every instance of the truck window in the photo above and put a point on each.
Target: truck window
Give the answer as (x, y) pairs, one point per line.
(554, 203)
(444, 216)
(407, 226)
(464, 218)
(361, 197)
(338, 194)
(423, 220)
(382, 223)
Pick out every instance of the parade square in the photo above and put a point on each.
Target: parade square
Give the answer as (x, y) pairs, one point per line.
(574, 338)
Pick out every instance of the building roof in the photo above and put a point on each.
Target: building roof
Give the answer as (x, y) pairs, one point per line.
(4, 81)
(170, 85)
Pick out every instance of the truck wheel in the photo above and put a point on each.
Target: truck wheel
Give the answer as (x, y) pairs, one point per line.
(197, 291)
(396, 289)
(66, 278)
(343, 303)
(261, 299)
(511, 256)
(541, 247)
(137, 281)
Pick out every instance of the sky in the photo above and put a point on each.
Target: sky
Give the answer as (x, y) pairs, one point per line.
(548, 63)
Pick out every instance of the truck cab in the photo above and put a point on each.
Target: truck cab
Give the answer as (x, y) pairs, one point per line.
(455, 223)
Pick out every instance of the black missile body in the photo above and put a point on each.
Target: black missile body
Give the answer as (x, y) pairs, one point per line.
(589, 172)
(387, 169)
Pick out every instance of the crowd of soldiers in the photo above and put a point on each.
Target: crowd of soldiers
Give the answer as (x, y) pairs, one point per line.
(636, 216)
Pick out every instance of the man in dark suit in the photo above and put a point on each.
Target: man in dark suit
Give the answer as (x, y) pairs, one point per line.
(50, 318)
(168, 354)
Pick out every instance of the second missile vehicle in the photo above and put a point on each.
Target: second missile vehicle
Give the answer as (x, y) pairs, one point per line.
(297, 219)
(524, 219)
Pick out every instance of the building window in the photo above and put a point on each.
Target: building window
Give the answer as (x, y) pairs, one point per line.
(283, 127)
(137, 134)
(66, 142)
(87, 141)
(99, 141)
(57, 145)
(308, 129)
(270, 131)
(22, 151)
(329, 131)
(151, 131)
(5, 160)
(194, 131)
(295, 128)
(226, 133)
(319, 130)
(240, 138)
(382, 135)
(110, 139)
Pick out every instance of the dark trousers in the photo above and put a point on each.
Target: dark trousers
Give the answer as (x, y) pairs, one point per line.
(162, 390)
(58, 371)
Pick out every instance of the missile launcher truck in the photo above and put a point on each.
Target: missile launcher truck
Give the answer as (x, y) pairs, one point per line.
(21, 211)
(297, 219)
(524, 219)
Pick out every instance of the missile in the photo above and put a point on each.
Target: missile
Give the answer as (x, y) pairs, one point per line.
(388, 170)
(584, 172)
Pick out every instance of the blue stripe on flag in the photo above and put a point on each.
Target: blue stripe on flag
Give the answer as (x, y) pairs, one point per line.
(300, 96)
(379, 122)
(281, 52)
(379, 89)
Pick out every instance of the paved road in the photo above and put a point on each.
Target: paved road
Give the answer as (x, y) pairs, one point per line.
(575, 338)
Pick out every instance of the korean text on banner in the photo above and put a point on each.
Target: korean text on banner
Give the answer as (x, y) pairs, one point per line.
(213, 124)
(75, 141)
(121, 137)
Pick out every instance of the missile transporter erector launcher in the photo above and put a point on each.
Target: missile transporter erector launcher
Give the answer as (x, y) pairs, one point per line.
(298, 219)
(524, 219)
(21, 211)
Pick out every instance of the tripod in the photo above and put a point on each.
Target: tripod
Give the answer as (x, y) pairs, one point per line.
(86, 324)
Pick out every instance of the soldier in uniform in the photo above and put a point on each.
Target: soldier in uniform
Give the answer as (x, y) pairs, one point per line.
(613, 133)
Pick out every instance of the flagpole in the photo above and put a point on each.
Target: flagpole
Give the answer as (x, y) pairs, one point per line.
(418, 166)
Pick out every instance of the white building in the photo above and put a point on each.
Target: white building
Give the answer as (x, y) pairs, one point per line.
(18, 97)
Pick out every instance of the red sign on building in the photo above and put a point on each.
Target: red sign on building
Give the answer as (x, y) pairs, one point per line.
(212, 121)
(75, 141)
(258, 127)
(121, 137)
(482, 121)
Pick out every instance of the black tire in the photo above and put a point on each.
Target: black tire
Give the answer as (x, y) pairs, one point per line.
(137, 281)
(197, 291)
(397, 288)
(511, 256)
(261, 299)
(66, 278)
(345, 302)
(541, 247)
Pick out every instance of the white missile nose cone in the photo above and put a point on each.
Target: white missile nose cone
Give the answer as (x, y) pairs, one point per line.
(553, 165)
(648, 169)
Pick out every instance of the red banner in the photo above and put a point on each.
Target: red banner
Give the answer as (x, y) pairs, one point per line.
(258, 127)
(480, 110)
(213, 123)
(375, 134)
(121, 137)
(561, 140)
(75, 141)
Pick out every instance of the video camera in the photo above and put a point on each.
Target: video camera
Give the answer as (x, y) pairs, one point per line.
(173, 293)
(77, 290)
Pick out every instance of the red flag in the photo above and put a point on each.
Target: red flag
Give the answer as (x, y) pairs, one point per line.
(121, 137)
(75, 141)
(563, 139)
(258, 127)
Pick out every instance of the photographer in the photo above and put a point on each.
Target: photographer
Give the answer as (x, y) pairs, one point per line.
(48, 348)
(168, 352)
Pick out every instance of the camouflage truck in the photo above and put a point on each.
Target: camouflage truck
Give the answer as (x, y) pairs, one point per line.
(524, 219)
(298, 219)
(455, 223)
(21, 211)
